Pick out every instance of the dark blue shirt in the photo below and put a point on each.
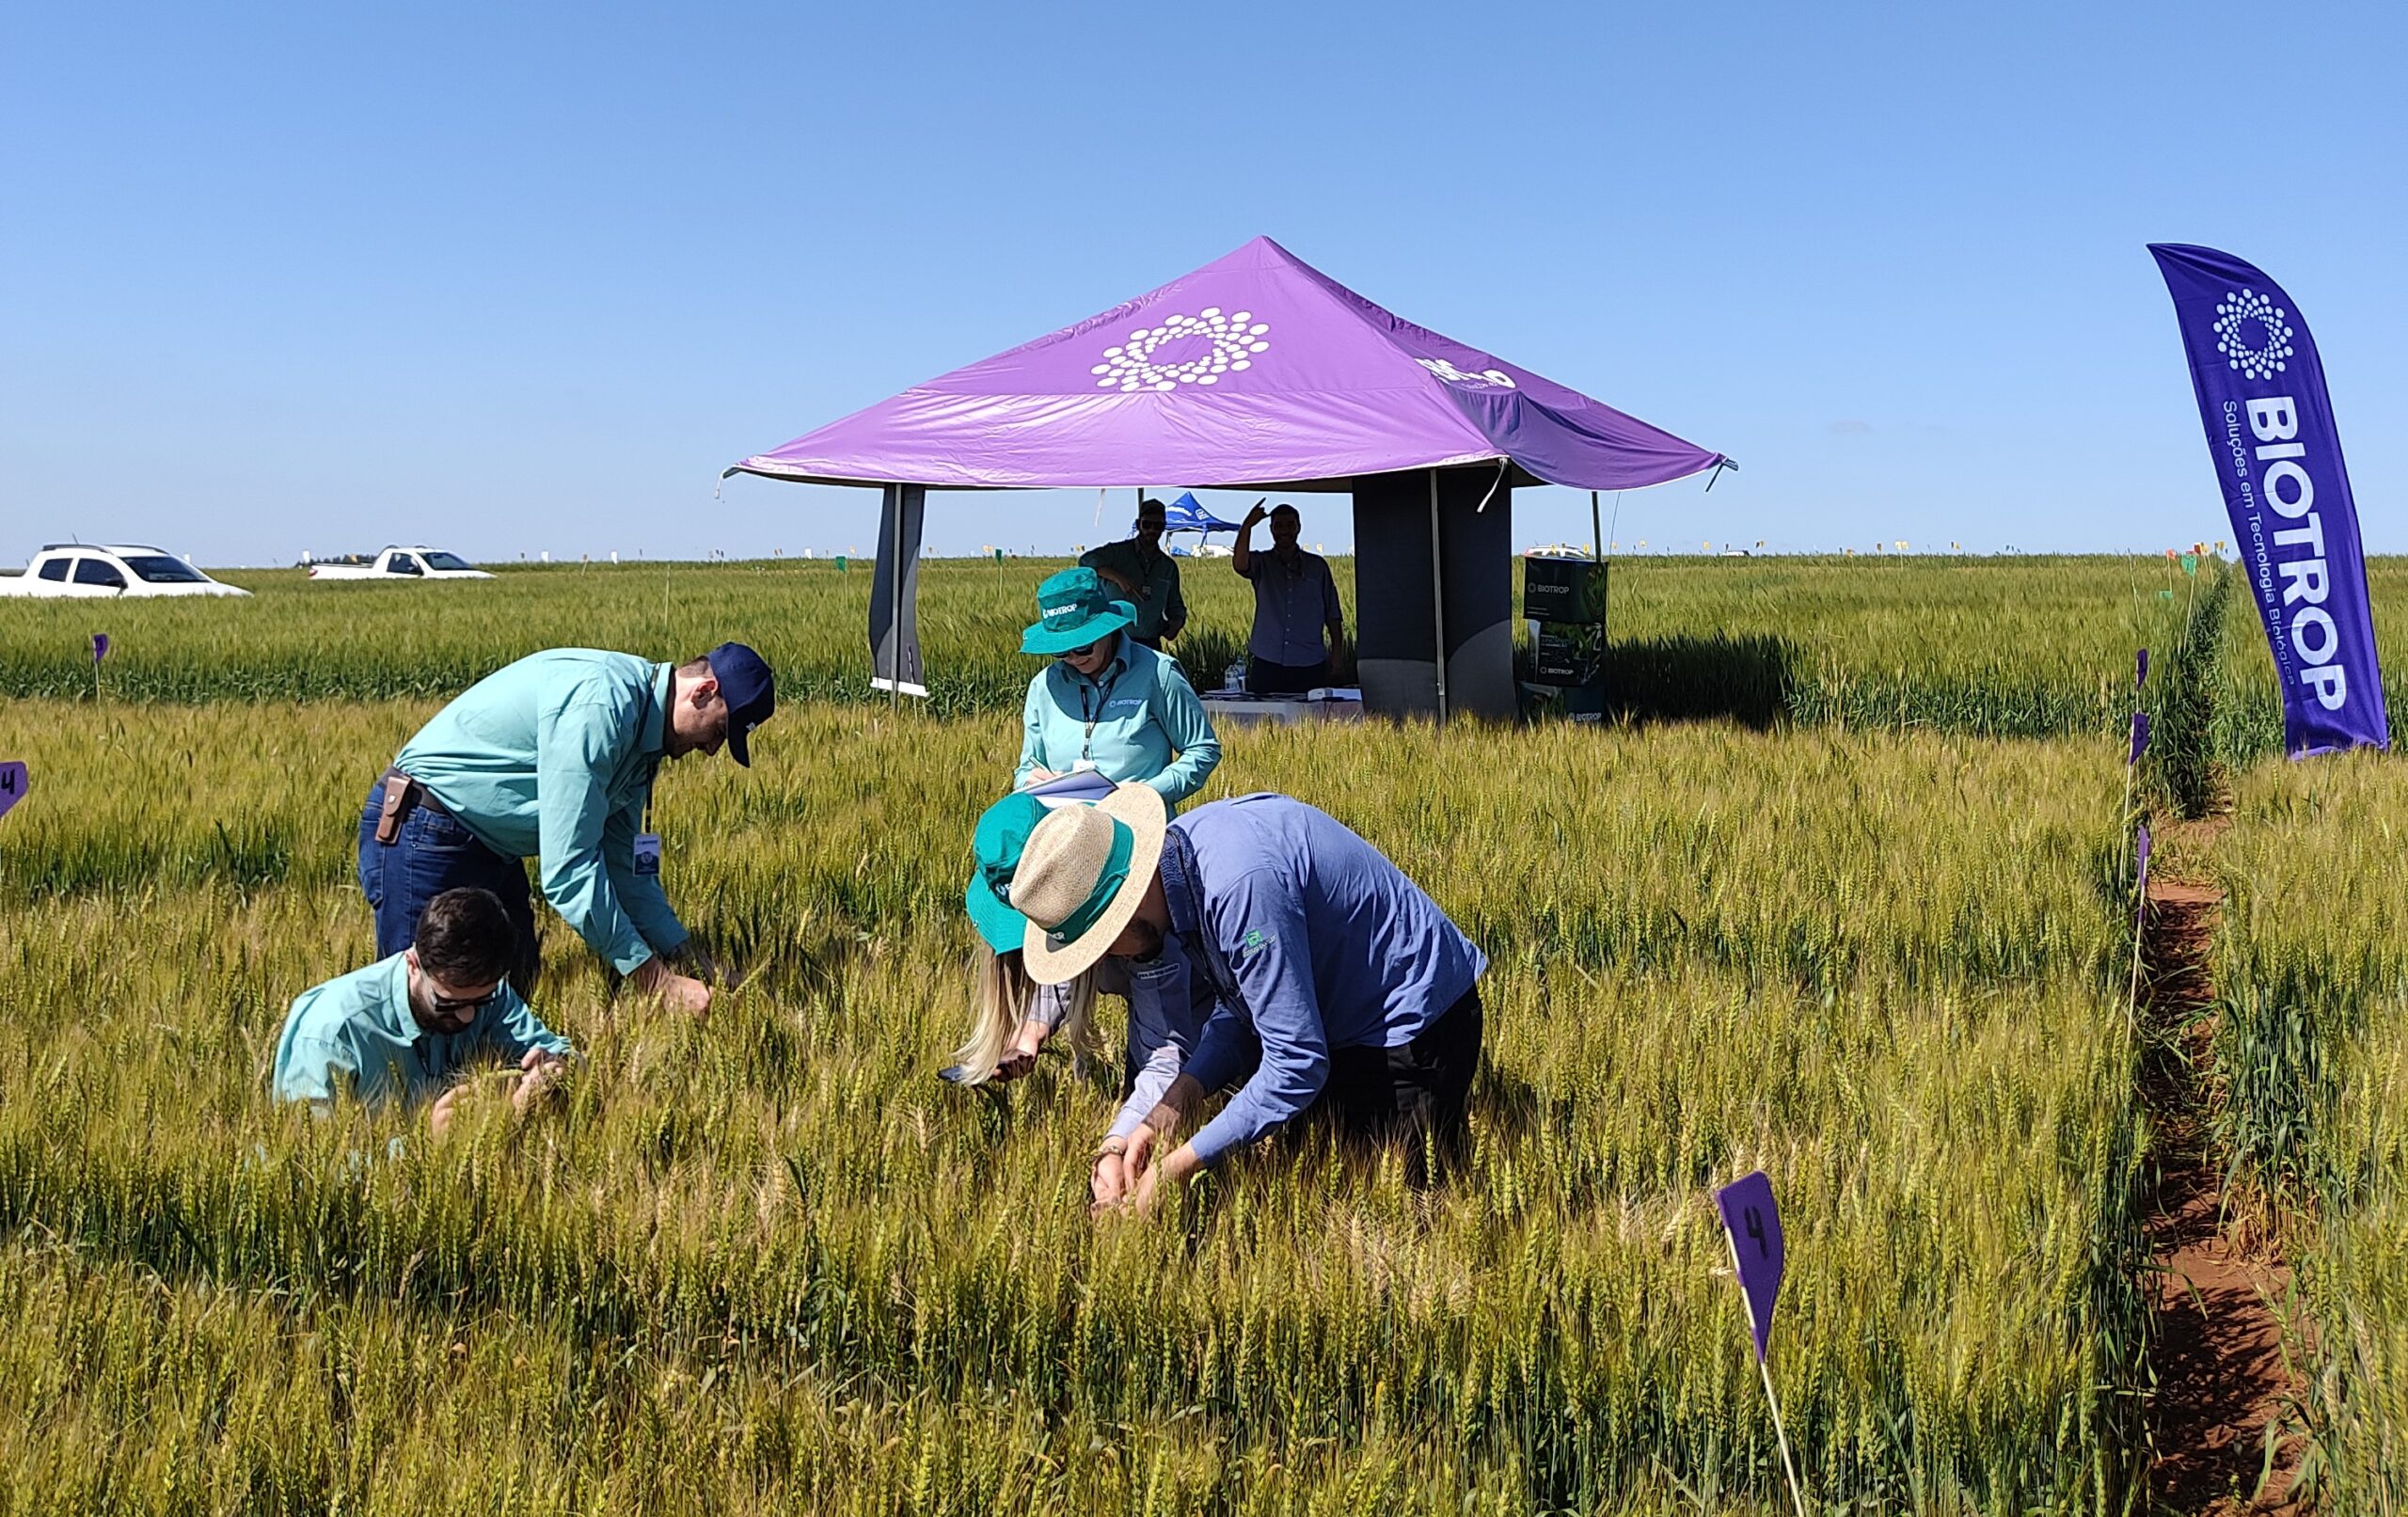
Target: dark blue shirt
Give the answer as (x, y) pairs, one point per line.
(1313, 940)
(1293, 604)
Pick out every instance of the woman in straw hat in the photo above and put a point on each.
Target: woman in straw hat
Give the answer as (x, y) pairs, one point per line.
(1340, 987)
(1108, 704)
(1163, 1015)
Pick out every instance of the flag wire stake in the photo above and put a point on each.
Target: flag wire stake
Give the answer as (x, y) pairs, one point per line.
(1763, 1366)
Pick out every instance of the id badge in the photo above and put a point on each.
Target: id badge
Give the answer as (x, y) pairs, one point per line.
(1083, 765)
(648, 853)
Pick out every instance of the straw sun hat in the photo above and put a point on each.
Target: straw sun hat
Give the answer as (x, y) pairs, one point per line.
(1081, 876)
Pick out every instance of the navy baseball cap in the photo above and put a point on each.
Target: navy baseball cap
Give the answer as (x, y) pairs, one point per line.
(751, 694)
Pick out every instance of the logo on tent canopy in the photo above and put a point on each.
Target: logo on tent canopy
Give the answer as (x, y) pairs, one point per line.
(1203, 347)
(2233, 315)
(1452, 375)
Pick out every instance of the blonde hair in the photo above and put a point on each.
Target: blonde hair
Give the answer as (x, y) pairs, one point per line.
(1001, 997)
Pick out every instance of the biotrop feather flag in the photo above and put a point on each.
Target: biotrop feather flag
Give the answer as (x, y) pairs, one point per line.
(2270, 429)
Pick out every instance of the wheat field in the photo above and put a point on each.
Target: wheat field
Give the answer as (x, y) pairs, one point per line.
(767, 1261)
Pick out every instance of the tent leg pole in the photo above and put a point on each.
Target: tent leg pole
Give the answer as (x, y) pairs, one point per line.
(1438, 597)
(894, 610)
(1597, 538)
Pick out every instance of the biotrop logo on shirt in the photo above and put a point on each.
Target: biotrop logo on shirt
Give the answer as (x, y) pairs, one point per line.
(1255, 939)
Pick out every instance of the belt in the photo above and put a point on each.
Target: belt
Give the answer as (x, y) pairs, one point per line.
(400, 794)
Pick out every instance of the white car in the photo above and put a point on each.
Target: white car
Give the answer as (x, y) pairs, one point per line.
(417, 561)
(83, 570)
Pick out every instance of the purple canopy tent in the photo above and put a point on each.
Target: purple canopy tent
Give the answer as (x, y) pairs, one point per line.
(1258, 370)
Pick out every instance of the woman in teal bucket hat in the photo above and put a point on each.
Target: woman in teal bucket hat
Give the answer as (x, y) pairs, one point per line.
(1163, 1014)
(1107, 701)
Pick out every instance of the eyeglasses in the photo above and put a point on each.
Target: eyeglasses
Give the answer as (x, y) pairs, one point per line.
(453, 1006)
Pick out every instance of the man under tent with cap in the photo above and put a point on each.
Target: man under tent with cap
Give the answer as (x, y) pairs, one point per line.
(1145, 577)
(553, 757)
(1341, 989)
(410, 1025)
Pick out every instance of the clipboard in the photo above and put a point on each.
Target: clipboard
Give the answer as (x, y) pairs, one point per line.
(1080, 786)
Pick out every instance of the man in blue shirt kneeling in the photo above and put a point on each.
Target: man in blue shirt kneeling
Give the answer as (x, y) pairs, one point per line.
(1342, 988)
(407, 1026)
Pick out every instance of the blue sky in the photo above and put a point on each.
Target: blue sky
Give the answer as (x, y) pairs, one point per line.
(519, 279)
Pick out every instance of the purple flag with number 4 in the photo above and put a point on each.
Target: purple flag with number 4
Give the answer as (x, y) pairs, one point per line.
(14, 782)
(2140, 675)
(99, 646)
(1754, 1225)
(2139, 736)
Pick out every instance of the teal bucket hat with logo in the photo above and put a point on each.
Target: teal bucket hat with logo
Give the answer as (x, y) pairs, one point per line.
(1073, 609)
(994, 852)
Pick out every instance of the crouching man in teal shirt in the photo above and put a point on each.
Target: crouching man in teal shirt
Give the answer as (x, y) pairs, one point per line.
(406, 1027)
(553, 757)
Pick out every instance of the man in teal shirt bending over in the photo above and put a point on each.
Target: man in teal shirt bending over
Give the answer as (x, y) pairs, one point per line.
(407, 1026)
(553, 757)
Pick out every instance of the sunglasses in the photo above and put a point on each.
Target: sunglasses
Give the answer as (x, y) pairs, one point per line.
(1079, 652)
(453, 1007)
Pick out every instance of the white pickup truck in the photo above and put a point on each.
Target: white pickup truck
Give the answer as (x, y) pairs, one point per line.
(70, 571)
(417, 561)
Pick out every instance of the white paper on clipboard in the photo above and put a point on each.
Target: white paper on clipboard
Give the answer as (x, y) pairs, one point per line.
(1067, 789)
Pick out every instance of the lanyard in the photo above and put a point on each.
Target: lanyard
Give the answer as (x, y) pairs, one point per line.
(652, 766)
(1093, 714)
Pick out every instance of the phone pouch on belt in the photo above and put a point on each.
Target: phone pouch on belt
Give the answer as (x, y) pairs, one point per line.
(388, 821)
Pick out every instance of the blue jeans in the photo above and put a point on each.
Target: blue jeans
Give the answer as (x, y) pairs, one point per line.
(433, 853)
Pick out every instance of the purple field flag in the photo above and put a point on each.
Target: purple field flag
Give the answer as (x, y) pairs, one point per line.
(100, 647)
(2139, 736)
(14, 783)
(2140, 671)
(2140, 870)
(2278, 457)
(1754, 1223)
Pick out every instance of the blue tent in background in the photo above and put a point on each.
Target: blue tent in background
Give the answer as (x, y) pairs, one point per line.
(1185, 515)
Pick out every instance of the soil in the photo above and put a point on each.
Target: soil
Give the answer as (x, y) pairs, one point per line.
(2217, 1356)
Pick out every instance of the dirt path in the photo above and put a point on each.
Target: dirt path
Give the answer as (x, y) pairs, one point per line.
(2217, 1358)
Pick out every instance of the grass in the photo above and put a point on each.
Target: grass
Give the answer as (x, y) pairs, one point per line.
(2250, 718)
(2017, 647)
(2313, 1051)
(770, 1262)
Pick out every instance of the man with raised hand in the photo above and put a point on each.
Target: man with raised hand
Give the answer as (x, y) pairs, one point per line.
(553, 757)
(1342, 990)
(410, 1025)
(1146, 577)
(1296, 604)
